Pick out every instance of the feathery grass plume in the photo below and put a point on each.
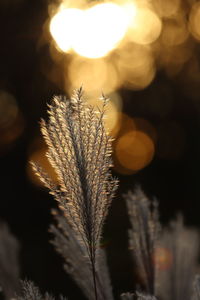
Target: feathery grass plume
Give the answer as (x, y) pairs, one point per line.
(9, 268)
(174, 281)
(196, 288)
(143, 235)
(76, 260)
(79, 149)
(31, 292)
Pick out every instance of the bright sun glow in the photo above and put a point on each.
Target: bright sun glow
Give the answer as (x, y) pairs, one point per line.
(93, 32)
(103, 28)
(64, 27)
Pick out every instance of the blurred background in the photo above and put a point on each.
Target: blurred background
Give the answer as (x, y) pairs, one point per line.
(145, 56)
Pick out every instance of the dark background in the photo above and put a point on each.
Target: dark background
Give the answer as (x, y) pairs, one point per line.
(26, 207)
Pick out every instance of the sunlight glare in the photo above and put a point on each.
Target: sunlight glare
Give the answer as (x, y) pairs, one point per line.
(92, 32)
(64, 27)
(104, 26)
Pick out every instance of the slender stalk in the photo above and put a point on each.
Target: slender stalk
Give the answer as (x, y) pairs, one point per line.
(94, 276)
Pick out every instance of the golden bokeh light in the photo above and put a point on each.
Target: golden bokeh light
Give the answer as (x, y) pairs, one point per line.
(124, 125)
(65, 26)
(134, 146)
(130, 8)
(167, 9)
(121, 43)
(37, 154)
(134, 150)
(102, 28)
(121, 169)
(132, 124)
(92, 32)
(109, 43)
(175, 32)
(194, 20)
(136, 66)
(145, 27)
(174, 58)
(95, 75)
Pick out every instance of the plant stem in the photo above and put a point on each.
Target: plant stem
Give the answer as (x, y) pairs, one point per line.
(94, 276)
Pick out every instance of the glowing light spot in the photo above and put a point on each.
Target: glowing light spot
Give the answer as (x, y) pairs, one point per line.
(64, 27)
(103, 27)
(146, 27)
(136, 65)
(169, 8)
(194, 20)
(130, 9)
(87, 72)
(134, 150)
(162, 258)
(140, 136)
(92, 32)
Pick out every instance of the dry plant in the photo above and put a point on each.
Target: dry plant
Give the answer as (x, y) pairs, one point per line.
(143, 235)
(79, 149)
